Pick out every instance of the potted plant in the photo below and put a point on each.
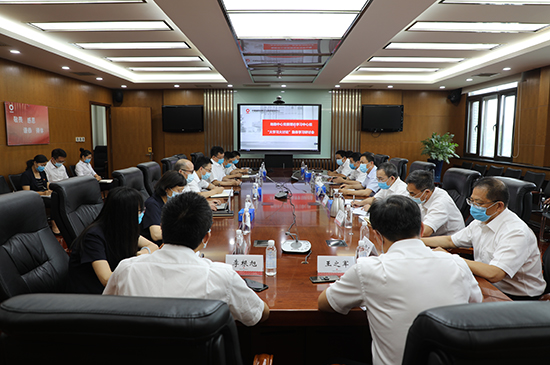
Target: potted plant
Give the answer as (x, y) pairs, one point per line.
(439, 148)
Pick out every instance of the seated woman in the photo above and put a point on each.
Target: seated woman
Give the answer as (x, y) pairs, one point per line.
(83, 167)
(34, 178)
(170, 184)
(112, 237)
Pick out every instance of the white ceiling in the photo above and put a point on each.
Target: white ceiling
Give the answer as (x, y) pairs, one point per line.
(203, 25)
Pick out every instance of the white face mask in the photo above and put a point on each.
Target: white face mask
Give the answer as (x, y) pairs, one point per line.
(174, 193)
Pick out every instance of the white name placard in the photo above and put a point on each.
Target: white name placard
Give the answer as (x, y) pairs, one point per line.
(340, 218)
(247, 265)
(334, 265)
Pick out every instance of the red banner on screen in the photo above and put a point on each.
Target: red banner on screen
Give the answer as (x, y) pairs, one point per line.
(290, 127)
(26, 124)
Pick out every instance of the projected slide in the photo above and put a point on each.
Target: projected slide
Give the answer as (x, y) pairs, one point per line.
(279, 127)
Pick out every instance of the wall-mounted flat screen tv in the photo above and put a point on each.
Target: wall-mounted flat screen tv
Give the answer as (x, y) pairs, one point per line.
(182, 118)
(279, 128)
(382, 118)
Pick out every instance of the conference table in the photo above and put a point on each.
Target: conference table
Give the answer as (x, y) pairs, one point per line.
(291, 296)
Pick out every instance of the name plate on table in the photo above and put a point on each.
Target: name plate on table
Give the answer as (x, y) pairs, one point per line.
(334, 265)
(247, 265)
(325, 200)
(340, 217)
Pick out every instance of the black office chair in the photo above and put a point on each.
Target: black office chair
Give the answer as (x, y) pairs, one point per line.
(380, 159)
(495, 171)
(4, 188)
(131, 177)
(510, 172)
(126, 329)
(480, 168)
(401, 166)
(521, 197)
(31, 258)
(75, 203)
(101, 161)
(168, 163)
(481, 333)
(151, 174)
(459, 183)
(195, 156)
(467, 165)
(72, 171)
(422, 165)
(15, 181)
(181, 155)
(536, 178)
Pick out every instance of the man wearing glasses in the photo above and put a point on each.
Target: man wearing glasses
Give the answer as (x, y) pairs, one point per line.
(505, 249)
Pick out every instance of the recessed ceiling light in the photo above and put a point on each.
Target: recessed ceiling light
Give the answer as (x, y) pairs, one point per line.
(498, 2)
(444, 46)
(416, 59)
(155, 59)
(442, 87)
(102, 26)
(295, 5)
(123, 86)
(397, 69)
(99, 78)
(14, 51)
(176, 86)
(66, 68)
(390, 86)
(478, 27)
(506, 69)
(68, 1)
(170, 69)
(336, 85)
(229, 85)
(283, 85)
(134, 45)
(469, 80)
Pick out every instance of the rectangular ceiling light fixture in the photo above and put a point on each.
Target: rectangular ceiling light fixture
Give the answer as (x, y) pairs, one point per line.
(477, 27)
(102, 26)
(69, 1)
(397, 69)
(444, 46)
(294, 5)
(134, 45)
(417, 59)
(155, 59)
(498, 2)
(170, 69)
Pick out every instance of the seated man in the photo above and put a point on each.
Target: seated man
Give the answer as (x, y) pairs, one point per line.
(176, 271)
(404, 281)
(389, 183)
(367, 187)
(186, 168)
(355, 174)
(55, 171)
(505, 248)
(229, 167)
(440, 215)
(236, 159)
(217, 176)
(342, 161)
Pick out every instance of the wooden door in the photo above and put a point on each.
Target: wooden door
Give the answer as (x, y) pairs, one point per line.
(131, 140)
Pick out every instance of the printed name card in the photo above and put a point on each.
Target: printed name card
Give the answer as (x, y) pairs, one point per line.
(325, 200)
(340, 217)
(247, 265)
(334, 265)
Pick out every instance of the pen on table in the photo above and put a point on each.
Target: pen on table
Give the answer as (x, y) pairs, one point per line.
(353, 199)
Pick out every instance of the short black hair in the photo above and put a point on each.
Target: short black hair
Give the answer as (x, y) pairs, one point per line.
(396, 217)
(214, 151)
(37, 159)
(201, 162)
(58, 152)
(227, 155)
(369, 156)
(236, 153)
(185, 220)
(356, 156)
(169, 180)
(389, 169)
(341, 153)
(497, 191)
(84, 153)
(421, 179)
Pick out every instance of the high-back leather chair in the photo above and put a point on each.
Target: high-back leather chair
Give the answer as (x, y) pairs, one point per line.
(195, 156)
(515, 173)
(168, 163)
(125, 329)
(521, 197)
(422, 165)
(15, 181)
(536, 178)
(480, 168)
(76, 202)
(482, 333)
(4, 188)
(31, 258)
(401, 166)
(101, 161)
(459, 183)
(494, 171)
(133, 178)
(467, 165)
(380, 159)
(181, 155)
(151, 174)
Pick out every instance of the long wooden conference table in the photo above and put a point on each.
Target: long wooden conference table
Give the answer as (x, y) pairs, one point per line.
(291, 296)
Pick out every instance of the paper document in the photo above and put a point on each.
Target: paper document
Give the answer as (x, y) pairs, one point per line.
(359, 211)
(226, 194)
(105, 181)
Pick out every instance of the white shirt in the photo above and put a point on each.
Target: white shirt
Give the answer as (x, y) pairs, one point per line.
(356, 174)
(84, 169)
(344, 169)
(441, 214)
(193, 185)
(370, 181)
(509, 244)
(55, 173)
(398, 187)
(217, 172)
(177, 272)
(398, 285)
(228, 170)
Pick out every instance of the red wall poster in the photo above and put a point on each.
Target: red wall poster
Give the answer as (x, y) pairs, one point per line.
(26, 124)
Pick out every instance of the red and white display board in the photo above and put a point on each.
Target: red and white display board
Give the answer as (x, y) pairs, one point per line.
(26, 124)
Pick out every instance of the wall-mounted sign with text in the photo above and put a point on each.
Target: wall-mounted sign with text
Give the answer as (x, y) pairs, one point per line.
(26, 124)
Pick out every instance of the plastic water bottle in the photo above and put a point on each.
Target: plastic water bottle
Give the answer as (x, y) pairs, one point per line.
(303, 169)
(239, 243)
(248, 203)
(271, 259)
(246, 229)
(364, 232)
(255, 192)
(348, 222)
(361, 250)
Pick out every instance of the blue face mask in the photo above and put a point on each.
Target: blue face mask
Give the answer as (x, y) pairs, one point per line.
(220, 161)
(352, 166)
(174, 193)
(339, 162)
(480, 213)
(58, 164)
(383, 185)
(88, 160)
(40, 168)
(363, 167)
(206, 176)
(235, 162)
(190, 178)
(140, 217)
(228, 165)
(419, 199)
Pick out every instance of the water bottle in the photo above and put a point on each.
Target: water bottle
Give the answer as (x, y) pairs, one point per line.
(348, 222)
(246, 229)
(264, 171)
(239, 243)
(364, 232)
(271, 259)
(248, 203)
(361, 250)
(254, 191)
(303, 169)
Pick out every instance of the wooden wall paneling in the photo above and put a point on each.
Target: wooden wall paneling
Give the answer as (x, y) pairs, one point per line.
(346, 121)
(382, 97)
(218, 119)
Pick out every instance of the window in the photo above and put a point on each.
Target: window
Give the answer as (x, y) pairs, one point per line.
(490, 123)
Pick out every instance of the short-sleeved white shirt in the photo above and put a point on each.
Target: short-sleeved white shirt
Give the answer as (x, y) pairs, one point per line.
(193, 185)
(370, 181)
(55, 174)
(177, 272)
(357, 175)
(217, 172)
(228, 170)
(344, 169)
(398, 285)
(441, 214)
(84, 169)
(509, 244)
(399, 187)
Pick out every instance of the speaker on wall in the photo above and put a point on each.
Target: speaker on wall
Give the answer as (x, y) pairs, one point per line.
(455, 96)
(117, 96)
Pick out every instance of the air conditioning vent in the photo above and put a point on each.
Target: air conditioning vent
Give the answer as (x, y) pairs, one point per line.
(84, 73)
(257, 85)
(206, 86)
(487, 74)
